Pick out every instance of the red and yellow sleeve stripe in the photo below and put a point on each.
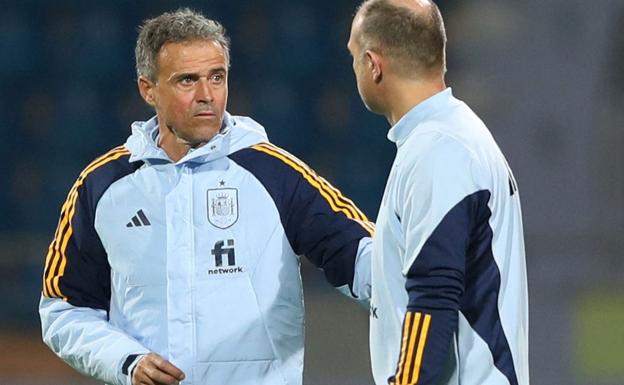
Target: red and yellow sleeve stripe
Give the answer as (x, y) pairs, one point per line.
(338, 202)
(415, 332)
(56, 259)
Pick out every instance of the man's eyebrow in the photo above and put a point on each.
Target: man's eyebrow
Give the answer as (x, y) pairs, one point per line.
(181, 75)
(218, 69)
(195, 74)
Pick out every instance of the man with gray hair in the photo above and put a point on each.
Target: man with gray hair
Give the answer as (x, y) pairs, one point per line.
(176, 257)
(449, 289)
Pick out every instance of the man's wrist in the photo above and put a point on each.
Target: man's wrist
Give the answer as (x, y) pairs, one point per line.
(134, 364)
(129, 365)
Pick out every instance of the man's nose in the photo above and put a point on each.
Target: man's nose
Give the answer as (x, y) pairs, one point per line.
(204, 93)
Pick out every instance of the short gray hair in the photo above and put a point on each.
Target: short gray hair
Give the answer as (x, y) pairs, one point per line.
(183, 25)
(416, 42)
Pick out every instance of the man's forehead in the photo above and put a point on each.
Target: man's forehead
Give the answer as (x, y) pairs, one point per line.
(191, 52)
(191, 48)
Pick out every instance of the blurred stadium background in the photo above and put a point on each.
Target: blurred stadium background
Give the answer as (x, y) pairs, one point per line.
(546, 76)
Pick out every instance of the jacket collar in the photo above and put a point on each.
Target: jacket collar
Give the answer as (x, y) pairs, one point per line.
(236, 133)
(410, 121)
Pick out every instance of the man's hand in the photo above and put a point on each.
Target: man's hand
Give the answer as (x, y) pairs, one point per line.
(152, 369)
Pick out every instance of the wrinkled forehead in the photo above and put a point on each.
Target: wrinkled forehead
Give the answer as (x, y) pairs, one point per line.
(194, 55)
(184, 50)
(184, 45)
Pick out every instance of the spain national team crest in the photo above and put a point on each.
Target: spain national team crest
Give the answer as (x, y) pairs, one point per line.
(223, 207)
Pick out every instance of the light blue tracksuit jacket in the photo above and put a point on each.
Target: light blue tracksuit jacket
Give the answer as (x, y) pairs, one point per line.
(196, 260)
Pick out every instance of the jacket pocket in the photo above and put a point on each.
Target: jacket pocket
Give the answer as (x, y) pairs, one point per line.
(238, 373)
(229, 324)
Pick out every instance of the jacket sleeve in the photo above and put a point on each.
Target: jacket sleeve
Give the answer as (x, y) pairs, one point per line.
(319, 221)
(362, 274)
(76, 284)
(440, 206)
(86, 341)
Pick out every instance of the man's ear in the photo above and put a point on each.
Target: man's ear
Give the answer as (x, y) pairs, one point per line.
(146, 89)
(375, 65)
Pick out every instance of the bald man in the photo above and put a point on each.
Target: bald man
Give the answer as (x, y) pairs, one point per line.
(449, 301)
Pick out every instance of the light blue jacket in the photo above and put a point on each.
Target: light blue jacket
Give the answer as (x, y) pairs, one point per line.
(196, 260)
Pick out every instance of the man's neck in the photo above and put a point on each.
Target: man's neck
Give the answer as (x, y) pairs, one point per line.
(174, 149)
(406, 94)
(172, 145)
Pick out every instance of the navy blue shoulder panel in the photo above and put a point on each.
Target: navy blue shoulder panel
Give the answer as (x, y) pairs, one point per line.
(77, 266)
(99, 180)
(319, 222)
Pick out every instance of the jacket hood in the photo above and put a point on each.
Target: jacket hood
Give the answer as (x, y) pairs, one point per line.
(236, 133)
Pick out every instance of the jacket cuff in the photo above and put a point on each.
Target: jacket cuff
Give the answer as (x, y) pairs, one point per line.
(128, 366)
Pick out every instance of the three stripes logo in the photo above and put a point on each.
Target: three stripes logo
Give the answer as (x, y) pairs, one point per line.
(415, 332)
(139, 220)
(338, 202)
(57, 257)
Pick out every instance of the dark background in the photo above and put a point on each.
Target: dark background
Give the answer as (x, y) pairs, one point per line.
(545, 76)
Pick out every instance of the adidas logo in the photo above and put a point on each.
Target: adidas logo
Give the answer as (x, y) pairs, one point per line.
(139, 220)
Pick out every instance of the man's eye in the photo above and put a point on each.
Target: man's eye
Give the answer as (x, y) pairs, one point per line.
(187, 80)
(217, 78)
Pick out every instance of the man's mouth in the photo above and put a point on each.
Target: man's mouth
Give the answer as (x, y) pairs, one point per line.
(206, 114)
